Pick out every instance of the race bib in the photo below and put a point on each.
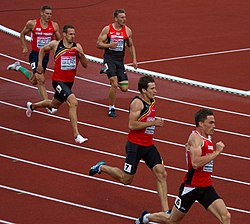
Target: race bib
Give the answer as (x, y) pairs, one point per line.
(209, 167)
(41, 41)
(151, 129)
(120, 42)
(68, 62)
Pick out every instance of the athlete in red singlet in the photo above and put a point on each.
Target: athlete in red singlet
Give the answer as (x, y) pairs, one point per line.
(67, 55)
(200, 177)
(140, 144)
(197, 184)
(113, 39)
(42, 30)
(41, 35)
(144, 136)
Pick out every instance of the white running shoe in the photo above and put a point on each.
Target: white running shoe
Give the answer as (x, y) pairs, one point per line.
(29, 110)
(79, 139)
(51, 110)
(15, 66)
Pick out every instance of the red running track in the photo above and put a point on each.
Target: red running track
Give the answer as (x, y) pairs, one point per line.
(40, 164)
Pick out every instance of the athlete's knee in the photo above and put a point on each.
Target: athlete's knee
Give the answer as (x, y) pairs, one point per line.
(73, 102)
(127, 181)
(160, 172)
(123, 88)
(226, 218)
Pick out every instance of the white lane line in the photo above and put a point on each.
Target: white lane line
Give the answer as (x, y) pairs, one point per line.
(6, 222)
(160, 97)
(66, 202)
(110, 154)
(97, 179)
(193, 56)
(120, 109)
(117, 131)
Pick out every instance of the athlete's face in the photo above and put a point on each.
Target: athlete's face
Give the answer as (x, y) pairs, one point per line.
(70, 35)
(208, 125)
(121, 19)
(151, 90)
(46, 15)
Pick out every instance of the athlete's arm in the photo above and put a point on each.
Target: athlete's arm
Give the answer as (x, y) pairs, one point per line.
(131, 47)
(134, 113)
(101, 41)
(194, 145)
(27, 29)
(82, 58)
(57, 32)
(48, 47)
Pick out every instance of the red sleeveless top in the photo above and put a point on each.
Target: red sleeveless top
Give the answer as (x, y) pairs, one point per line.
(144, 136)
(200, 177)
(66, 61)
(40, 36)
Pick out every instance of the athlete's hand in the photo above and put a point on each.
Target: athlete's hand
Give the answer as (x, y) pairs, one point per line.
(135, 64)
(113, 45)
(219, 147)
(24, 51)
(39, 69)
(159, 122)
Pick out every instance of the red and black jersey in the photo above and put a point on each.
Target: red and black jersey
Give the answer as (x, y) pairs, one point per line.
(41, 36)
(144, 136)
(118, 36)
(66, 61)
(200, 177)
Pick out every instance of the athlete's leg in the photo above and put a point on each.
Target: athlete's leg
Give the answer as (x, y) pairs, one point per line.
(117, 174)
(72, 102)
(219, 210)
(176, 216)
(113, 89)
(161, 179)
(41, 85)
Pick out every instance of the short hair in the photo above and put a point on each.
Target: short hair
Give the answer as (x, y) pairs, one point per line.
(117, 11)
(43, 8)
(66, 27)
(201, 115)
(144, 81)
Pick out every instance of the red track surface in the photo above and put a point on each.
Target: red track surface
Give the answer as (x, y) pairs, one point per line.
(177, 28)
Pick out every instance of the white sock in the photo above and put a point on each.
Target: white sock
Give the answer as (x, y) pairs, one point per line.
(145, 218)
(111, 106)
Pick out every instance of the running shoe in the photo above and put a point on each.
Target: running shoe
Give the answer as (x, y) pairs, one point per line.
(96, 168)
(79, 139)
(29, 109)
(112, 112)
(140, 220)
(51, 110)
(104, 69)
(15, 66)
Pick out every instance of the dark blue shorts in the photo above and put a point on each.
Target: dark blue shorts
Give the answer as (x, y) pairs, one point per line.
(33, 59)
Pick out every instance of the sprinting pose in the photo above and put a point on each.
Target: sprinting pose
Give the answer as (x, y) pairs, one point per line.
(42, 30)
(140, 144)
(197, 184)
(67, 55)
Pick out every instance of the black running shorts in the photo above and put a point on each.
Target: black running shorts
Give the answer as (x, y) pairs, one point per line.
(187, 196)
(115, 68)
(62, 90)
(136, 152)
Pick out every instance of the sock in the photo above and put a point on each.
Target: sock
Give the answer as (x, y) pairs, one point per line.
(24, 71)
(145, 218)
(110, 107)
